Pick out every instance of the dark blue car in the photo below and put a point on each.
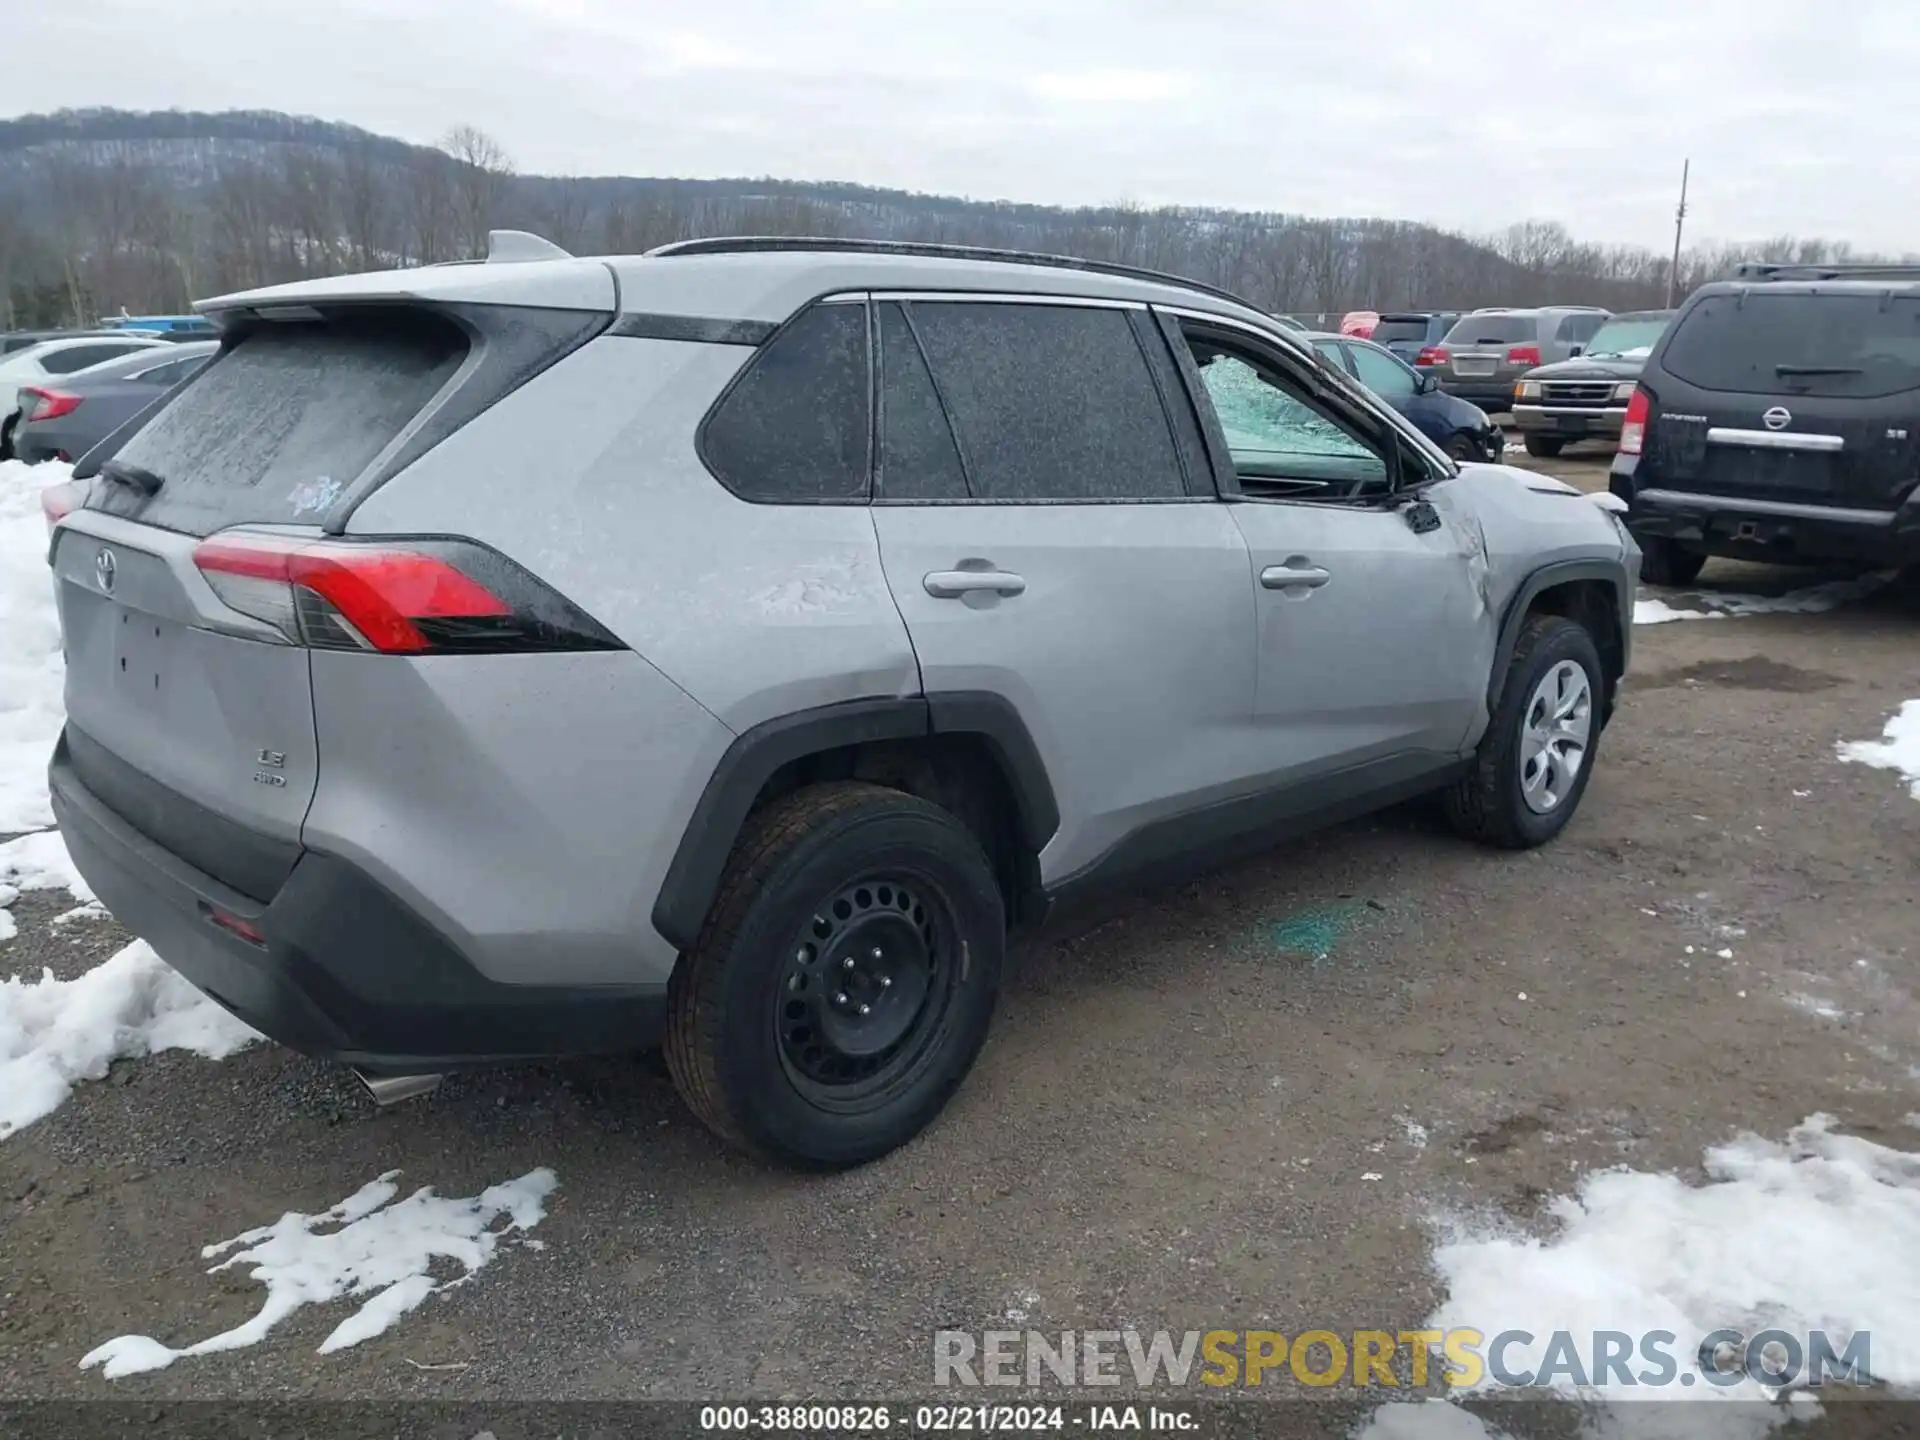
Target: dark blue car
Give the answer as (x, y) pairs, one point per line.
(1458, 427)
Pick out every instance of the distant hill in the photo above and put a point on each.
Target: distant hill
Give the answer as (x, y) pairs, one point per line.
(101, 208)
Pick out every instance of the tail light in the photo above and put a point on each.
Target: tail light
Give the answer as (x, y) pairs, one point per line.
(39, 404)
(1633, 425)
(59, 501)
(394, 597)
(1432, 355)
(1524, 355)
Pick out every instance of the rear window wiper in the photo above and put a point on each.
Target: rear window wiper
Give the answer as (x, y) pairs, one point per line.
(1818, 370)
(134, 477)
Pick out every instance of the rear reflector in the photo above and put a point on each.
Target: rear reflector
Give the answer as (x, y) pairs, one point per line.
(234, 925)
(39, 404)
(1633, 425)
(1432, 355)
(59, 501)
(396, 598)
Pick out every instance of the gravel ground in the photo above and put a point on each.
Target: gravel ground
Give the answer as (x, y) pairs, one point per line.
(1169, 1127)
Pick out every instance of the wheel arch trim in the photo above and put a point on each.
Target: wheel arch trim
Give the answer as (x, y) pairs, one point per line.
(1547, 577)
(693, 876)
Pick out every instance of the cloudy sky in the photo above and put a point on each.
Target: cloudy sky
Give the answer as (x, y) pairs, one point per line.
(1800, 116)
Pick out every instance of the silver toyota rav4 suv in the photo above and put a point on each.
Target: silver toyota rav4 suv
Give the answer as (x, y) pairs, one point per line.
(725, 647)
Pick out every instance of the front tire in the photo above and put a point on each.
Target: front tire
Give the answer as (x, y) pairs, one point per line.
(1536, 758)
(1463, 447)
(1544, 447)
(1664, 563)
(842, 985)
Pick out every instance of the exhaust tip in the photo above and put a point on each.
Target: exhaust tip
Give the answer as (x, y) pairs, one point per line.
(388, 1090)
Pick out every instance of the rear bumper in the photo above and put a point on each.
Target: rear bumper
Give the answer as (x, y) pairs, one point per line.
(347, 972)
(1572, 421)
(1490, 395)
(1768, 530)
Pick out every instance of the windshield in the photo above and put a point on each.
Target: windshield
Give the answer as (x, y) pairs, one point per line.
(1627, 338)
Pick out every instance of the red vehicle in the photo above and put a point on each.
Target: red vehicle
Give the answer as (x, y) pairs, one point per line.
(1360, 323)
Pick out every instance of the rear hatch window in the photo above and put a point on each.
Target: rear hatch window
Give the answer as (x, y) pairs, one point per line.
(1390, 329)
(280, 424)
(1805, 343)
(1491, 330)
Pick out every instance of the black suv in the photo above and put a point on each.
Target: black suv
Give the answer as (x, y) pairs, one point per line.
(1778, 419)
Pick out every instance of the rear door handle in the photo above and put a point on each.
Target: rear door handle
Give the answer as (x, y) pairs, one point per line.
(1285, 577)
(952, 584)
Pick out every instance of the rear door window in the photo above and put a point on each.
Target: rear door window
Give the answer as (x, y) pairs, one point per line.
(284, 421)
(1788, 343)
(794, 428)
(1050, 402)
(1491, 330)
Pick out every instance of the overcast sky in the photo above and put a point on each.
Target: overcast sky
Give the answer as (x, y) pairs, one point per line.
(1800, 116)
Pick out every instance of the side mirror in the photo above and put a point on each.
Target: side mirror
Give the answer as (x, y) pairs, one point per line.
(1425, 382)
(1576, 350)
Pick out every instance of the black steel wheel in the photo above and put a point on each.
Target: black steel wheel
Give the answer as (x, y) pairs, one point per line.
(844, 980)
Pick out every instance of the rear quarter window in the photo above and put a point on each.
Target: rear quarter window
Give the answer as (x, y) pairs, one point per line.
(1788, 343)
(794, 428)
(282, 423)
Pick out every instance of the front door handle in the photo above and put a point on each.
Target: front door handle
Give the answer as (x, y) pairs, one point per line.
(1285, 577)
(953, 584)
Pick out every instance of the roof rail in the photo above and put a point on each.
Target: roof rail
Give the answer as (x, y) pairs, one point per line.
(509, 246)
(1764, 270)
(748, 244)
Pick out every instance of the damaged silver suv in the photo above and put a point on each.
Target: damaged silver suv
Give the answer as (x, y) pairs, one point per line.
(727, 646)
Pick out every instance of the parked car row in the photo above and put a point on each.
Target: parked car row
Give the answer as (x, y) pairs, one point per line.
(51, 359)
(63, 419)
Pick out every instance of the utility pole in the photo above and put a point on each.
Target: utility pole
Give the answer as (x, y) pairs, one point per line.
(1679, 223)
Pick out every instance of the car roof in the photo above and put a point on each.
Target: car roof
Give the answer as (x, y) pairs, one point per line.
(1642, 315)
(766, 280)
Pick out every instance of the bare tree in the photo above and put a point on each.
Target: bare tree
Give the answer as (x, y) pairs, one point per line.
(481, 171)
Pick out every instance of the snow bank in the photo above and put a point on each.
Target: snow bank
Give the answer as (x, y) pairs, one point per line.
(30, 667)
(1821, 1232)
(56, 1032)
(380, 1253)
(1898, 748)
(1718, 604)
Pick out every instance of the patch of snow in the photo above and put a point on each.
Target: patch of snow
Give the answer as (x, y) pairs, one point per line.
(1425, 1420)
(1638, 352)
(1813, 1005)
(1658, 612)
(1898, 748)
(54, 1033)
(31, 671)
(1809, 600)
(1415, 1132)
(378, 1253)
(1639, 1252)
(40, 862)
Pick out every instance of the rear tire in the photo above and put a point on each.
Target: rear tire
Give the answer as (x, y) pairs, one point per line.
(1664, 563)
(842, 985)
(1544, 446)
(1522, 791)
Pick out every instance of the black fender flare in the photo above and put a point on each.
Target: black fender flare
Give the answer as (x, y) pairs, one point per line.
(1559, 572)
(693, 876)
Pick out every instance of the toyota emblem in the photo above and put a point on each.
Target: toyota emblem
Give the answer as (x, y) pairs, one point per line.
(1778, 418)
(105, 567)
